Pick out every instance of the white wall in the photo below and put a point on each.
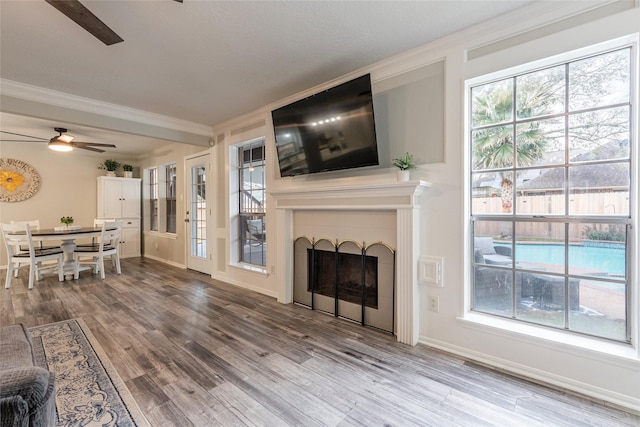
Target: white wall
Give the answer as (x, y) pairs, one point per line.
(597, 368)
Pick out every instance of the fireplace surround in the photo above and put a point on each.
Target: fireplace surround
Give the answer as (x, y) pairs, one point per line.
(401, 198)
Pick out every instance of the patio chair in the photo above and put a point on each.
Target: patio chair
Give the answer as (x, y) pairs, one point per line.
(486, 252)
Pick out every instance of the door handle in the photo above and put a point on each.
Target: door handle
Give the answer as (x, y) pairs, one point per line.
(186, 220)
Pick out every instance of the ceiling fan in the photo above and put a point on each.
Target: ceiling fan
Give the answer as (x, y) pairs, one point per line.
(61, 142)
(82, 16)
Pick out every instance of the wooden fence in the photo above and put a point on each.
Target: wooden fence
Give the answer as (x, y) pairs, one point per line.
(610, 203)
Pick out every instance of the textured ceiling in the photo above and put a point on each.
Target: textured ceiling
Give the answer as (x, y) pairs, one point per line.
(208, 61)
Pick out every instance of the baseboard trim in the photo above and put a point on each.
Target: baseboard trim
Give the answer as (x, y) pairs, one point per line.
(598, 394)
(267, 292)
(165, 261)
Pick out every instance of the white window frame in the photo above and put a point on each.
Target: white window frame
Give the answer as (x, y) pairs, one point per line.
(235, 239)
(161, 191)
(151, 194)
(508, 327)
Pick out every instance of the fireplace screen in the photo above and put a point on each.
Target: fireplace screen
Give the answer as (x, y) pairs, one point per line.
(348, 273)
(346, 279)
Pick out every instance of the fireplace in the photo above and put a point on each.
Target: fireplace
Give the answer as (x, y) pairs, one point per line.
(347, 279)
(354, 195)
(356, 276)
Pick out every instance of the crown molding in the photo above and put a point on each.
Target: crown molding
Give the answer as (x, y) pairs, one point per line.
(61, 99)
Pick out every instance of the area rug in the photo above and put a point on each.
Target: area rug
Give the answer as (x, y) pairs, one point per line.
(89, 391)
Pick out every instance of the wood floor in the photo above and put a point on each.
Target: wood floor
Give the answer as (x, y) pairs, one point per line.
(195, 351)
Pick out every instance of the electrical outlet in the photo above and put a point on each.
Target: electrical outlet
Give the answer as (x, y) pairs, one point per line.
(434, 304)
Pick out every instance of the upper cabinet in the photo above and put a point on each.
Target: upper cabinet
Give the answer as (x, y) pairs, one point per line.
(118, 197)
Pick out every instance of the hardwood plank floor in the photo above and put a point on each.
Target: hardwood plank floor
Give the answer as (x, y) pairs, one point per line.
(198, 352)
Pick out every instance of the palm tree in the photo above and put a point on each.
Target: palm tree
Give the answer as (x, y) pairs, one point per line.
(494, 145)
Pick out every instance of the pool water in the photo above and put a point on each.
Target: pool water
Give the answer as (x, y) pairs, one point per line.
(610, 260)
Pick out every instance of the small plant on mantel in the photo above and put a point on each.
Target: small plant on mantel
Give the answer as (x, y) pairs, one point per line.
(404, 164)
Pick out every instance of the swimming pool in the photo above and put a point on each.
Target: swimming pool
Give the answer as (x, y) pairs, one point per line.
(605, 259)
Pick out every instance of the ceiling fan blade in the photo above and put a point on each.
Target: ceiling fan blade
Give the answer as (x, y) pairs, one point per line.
(97, 150)
(82, 16)
(91, 144)
(20, 140)
(19, 134)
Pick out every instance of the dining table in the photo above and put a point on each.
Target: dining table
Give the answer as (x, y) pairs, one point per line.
(68, 236)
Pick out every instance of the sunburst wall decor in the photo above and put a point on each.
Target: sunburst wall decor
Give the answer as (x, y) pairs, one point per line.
(18, 180)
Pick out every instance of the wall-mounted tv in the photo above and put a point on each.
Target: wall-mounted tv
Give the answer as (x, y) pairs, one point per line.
(328, 131)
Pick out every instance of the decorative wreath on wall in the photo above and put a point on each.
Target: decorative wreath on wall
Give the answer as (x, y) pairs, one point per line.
(18, 180)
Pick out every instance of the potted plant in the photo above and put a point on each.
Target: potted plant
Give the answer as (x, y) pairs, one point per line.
(66, 220)
(404, 164)
(111, 166)
(128, 171)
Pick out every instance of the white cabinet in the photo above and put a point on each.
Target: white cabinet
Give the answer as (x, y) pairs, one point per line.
(119, 198)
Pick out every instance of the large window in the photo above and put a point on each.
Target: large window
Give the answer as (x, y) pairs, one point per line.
(251, 209)
(153, 199)
(160, 195)
(551, 190)
(170, 211)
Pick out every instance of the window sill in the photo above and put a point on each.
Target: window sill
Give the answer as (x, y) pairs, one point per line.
(252, 268)
(548, 337)
(172, 236)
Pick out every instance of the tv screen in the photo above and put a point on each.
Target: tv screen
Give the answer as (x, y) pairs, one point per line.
(330, 130)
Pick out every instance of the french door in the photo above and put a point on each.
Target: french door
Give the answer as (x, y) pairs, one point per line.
(197, 213)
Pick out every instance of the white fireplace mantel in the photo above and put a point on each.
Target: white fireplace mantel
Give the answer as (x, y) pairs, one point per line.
(401, 197)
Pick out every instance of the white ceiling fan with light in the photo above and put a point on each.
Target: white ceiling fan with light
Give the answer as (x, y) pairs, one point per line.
(60, 142)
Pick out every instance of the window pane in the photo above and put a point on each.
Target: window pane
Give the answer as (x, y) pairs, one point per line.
(602, 310)
(542, 298)
(600, 80)
(599, 135)
(540, 143)
(540, 246)
(492, 193)
(153, 214)
(492, 103)
(493, 283)
(540, 192)
(541, 92)
(492, 148)
(493, 291)
(170, 198)
(492, 242)
(153, 199)
(601, 189)
(598, 250)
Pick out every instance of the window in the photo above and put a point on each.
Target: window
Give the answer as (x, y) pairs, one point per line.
(551, 155)
(153, 199)
(170, 213)
(251, 209)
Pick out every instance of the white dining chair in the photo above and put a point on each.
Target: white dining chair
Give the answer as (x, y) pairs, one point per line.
(97, 222)
(108, 244)
(31, 257)
(35, 225)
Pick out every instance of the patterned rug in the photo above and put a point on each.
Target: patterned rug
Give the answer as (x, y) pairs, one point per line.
(89, 391)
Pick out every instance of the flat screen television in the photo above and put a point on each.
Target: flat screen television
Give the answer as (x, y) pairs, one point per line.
(328, 131)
